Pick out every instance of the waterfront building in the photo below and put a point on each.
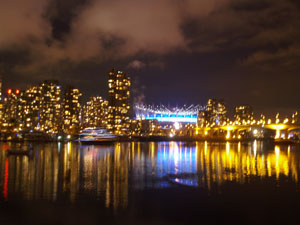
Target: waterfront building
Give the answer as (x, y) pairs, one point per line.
(50, 108)
(11, 111)
(150, 127)
(30, 106)
(71, 110)
(0, 88)
(295, 117)
(1, 102)
(1, 113)
(135, 127)
(94, 113)
(119, 106)
(216, 110)
(203, 118)
(243, 114)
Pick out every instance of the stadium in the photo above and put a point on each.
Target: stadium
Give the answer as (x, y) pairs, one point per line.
(186, 114)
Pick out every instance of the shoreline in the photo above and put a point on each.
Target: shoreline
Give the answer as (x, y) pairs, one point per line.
(157, 139)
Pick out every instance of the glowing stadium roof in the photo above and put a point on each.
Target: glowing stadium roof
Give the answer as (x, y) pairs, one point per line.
(186, 114)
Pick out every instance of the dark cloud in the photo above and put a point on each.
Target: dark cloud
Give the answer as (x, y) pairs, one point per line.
(201, 47)
(61, 14)
(253, 5)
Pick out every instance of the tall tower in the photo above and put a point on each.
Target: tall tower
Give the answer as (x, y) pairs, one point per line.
(50, 107)
(118, 98)
(243, 113)
(31, 100)
(94, 113)
(11, 110)
(1, 103)
(0, 88)
(71, 110)
(216, 111)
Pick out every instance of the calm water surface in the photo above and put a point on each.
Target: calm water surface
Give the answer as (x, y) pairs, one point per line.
(165, 178)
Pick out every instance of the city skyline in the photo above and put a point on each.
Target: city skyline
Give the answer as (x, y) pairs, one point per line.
(245, 52)
(42, 111)
(136, 100)
(149, 112)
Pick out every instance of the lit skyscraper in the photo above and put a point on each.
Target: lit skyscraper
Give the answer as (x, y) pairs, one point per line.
(203, 118)
(216, 111)
(243, 113)
(94, 113)
(1, 103)
(119, 96)
(11, 110)
(0, 88)
(50, 107)
(71, 110)
(31, 101)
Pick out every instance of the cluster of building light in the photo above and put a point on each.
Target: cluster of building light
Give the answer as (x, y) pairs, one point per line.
(211, 122)
(41, 108)
(71, 111)
(118, 99)
(37, 108)
(95, 112)
(50, 107)
(213, 114)
(243, 113)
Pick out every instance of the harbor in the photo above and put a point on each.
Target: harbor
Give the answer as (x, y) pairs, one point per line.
(155, 112)
(116, 178)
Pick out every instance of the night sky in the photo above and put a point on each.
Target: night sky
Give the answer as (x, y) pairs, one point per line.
(176, 51)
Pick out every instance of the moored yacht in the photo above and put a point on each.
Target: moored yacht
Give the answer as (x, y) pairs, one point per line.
(96, 135)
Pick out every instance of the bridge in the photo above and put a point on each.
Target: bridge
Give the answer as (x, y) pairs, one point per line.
(233, 131)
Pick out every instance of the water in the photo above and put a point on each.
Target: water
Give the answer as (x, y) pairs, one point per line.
(152, 183)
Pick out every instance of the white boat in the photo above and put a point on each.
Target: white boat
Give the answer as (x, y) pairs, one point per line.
(96, 135)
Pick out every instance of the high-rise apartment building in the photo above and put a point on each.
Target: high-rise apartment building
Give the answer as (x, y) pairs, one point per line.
(203, 118)
(216, 111)
(32, 107)
(71, 110)
(0, 88)
(95, 112)
(243, 113)
(1, 103)
(119, 102)
(11, 110)
(27, 108)
(31, 100)
(50, 106)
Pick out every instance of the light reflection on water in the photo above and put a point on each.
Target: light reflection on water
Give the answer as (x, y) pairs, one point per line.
(111, 172)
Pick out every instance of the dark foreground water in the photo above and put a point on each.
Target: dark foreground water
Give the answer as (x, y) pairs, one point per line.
(151, 183)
